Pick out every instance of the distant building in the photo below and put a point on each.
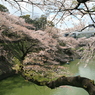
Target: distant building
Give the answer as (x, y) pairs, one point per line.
(88, 32)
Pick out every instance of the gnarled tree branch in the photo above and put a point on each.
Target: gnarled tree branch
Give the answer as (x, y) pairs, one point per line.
(76, 81)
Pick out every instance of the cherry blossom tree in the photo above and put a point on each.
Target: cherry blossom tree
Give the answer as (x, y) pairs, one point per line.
(63, 9)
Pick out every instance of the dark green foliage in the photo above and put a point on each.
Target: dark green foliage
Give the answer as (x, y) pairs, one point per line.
(21, 48)
(27, 19)
(3, 8)
(50, 23)
(42, 22)
(68, 52)
(39, 23)
(10, 34)
(62, 44)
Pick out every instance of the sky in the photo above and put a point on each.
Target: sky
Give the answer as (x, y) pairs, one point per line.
(26, 8)
(35, 12)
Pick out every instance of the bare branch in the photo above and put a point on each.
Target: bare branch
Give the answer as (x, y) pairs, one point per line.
(89, 13)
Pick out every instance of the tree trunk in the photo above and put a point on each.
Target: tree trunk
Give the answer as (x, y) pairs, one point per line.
(76, 81)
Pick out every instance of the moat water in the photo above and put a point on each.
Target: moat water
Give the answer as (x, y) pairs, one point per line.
(16, 85)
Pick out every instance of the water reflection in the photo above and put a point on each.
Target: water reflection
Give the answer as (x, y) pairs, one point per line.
(16, 85)
(88, 71)
(70, 91)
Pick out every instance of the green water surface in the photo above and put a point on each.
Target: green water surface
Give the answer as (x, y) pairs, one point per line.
(16, 85)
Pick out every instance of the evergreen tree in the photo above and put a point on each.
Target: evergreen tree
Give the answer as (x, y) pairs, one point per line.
(3, 8)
